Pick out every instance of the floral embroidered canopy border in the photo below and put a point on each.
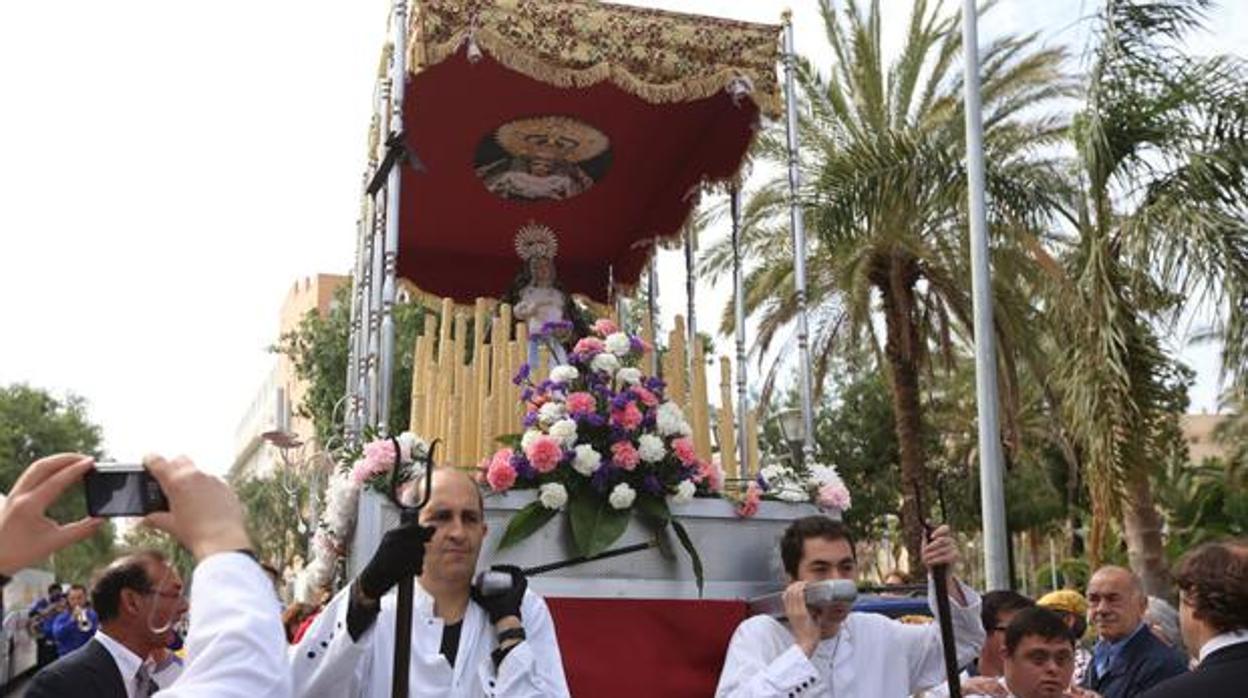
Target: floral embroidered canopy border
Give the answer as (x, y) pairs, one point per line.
(596, 120)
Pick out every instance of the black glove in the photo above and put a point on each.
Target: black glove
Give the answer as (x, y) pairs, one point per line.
(400, 555)
(504, 603)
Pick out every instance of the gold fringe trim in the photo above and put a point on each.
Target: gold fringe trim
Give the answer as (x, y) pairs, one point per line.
(514, 58)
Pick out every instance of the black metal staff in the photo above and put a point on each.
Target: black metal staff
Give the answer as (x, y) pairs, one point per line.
(403, 608)
(940, 581)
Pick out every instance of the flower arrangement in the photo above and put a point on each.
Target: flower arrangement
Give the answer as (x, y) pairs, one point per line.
(601, 442)
(369, 467)
(816, 483)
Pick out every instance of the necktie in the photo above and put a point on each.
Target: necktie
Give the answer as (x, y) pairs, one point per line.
(144, 685)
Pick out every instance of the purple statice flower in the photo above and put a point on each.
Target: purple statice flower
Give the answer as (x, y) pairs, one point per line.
(652, 485)
(521, 464)
(648, 420)
(554, 327)
(530, 419)
(596, 420)
(636, 345)
(654, 385)
(521, 375)
(620, 401)
(526, 394)
(601, 478)
(762, 483)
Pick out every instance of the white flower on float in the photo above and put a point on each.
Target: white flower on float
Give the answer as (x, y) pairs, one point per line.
(553, 495)
(622, 496)
(618, 343)
(564, 373)
(684, 492)
(628, 376)
(551, 412)
(565, 431)
(650, 448)
(530, 435)
(605, 363)
(587, 460)
(670, 421)
(411, 447)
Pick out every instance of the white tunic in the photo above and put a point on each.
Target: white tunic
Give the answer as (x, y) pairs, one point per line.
(327, 664)
(236, 647)
(870, 655)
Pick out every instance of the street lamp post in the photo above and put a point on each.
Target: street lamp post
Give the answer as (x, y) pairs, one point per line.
(793, 429)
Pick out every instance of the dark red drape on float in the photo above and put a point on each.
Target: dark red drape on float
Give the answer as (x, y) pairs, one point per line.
(456, 237)
(623, 648)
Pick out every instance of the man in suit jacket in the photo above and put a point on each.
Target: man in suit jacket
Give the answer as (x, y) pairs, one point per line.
(1127, 659)
(138, 599)
(1213, 615)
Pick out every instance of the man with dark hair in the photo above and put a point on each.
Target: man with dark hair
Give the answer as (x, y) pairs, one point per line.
(1127, 659)
(74, 626)
(39, 625)
(1213, 616)
(138, 599)
(831, 651)
(1072, 608)
(1039, 658)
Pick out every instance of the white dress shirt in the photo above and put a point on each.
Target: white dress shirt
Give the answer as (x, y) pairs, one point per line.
(1222, 641)
(328, 664)
(128, 663)
(236, 647)
(870, 655)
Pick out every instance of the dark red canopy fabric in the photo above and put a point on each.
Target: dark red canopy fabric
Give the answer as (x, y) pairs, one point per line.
(457, 238)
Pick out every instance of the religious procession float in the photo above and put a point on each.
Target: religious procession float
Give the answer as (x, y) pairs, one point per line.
(526, 161)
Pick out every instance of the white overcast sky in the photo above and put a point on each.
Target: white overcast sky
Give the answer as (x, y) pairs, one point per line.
(169, 168)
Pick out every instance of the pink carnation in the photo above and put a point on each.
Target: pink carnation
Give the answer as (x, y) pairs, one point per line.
(380, 453)
(544, 453)
(834, 495)
(712, 474)
(589, 345)
(683, 447)
(581, 403)
(361, 471)
(629, 417)
(500, 475)
(647, 398)
(624, 455)
(604, 327)
(749, 505)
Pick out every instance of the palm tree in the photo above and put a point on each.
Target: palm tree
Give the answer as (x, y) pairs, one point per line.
(1162, 172)
(884, 193)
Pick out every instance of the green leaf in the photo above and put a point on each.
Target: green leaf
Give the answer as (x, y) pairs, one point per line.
(524, 523)
(651, 507)
(595, 523)
(509, 440)
(694, 558)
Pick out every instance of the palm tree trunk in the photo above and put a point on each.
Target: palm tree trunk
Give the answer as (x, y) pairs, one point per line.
(1141, 525)
(901, 351)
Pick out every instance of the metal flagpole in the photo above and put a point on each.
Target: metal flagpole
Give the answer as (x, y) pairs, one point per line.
(990, 462)
(799, 239)
(738, 292)
(398, 80)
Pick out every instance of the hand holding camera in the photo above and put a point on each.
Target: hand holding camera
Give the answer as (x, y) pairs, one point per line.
(28, 534)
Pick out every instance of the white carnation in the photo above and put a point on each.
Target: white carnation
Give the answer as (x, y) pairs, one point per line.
(587, 460)
(553, 495)
(791, 493)
(772, 473)
(606, 363)
(622, 496)
(629, 375)
(684, 492)
(565, 431)
(618, 344)
(528, 438)
(411, 447)
(650, 448)
(822, 475)
(671, 421)
(564, 373)
(551, 412)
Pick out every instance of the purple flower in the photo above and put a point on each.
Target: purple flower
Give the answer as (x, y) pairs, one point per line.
(530, 419)
(526, 394)
(654, 385)
(635, 345)
(601, 478)
(762, 483)
(620, 401)
(521, 375)
(652, 485)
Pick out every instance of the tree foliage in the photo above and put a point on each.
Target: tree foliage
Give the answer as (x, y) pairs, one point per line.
(35, 424)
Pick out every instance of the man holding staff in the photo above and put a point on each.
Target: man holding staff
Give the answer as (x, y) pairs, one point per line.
(464, 643)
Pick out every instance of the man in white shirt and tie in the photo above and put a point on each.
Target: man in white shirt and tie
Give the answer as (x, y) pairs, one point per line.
(835, 652)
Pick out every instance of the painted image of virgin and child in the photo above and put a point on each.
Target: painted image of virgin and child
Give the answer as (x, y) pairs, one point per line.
(542, 158)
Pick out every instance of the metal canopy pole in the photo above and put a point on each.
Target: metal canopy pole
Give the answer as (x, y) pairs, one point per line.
(738, 293)
(990, 462)
(691, 281)
(799, 239)
(351, 424)
(652, 305)
(378, 269)
(390, 253)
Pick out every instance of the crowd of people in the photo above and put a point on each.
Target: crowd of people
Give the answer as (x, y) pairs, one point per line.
(466, 641)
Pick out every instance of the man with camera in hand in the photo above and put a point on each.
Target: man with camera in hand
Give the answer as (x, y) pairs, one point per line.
(464, 643)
